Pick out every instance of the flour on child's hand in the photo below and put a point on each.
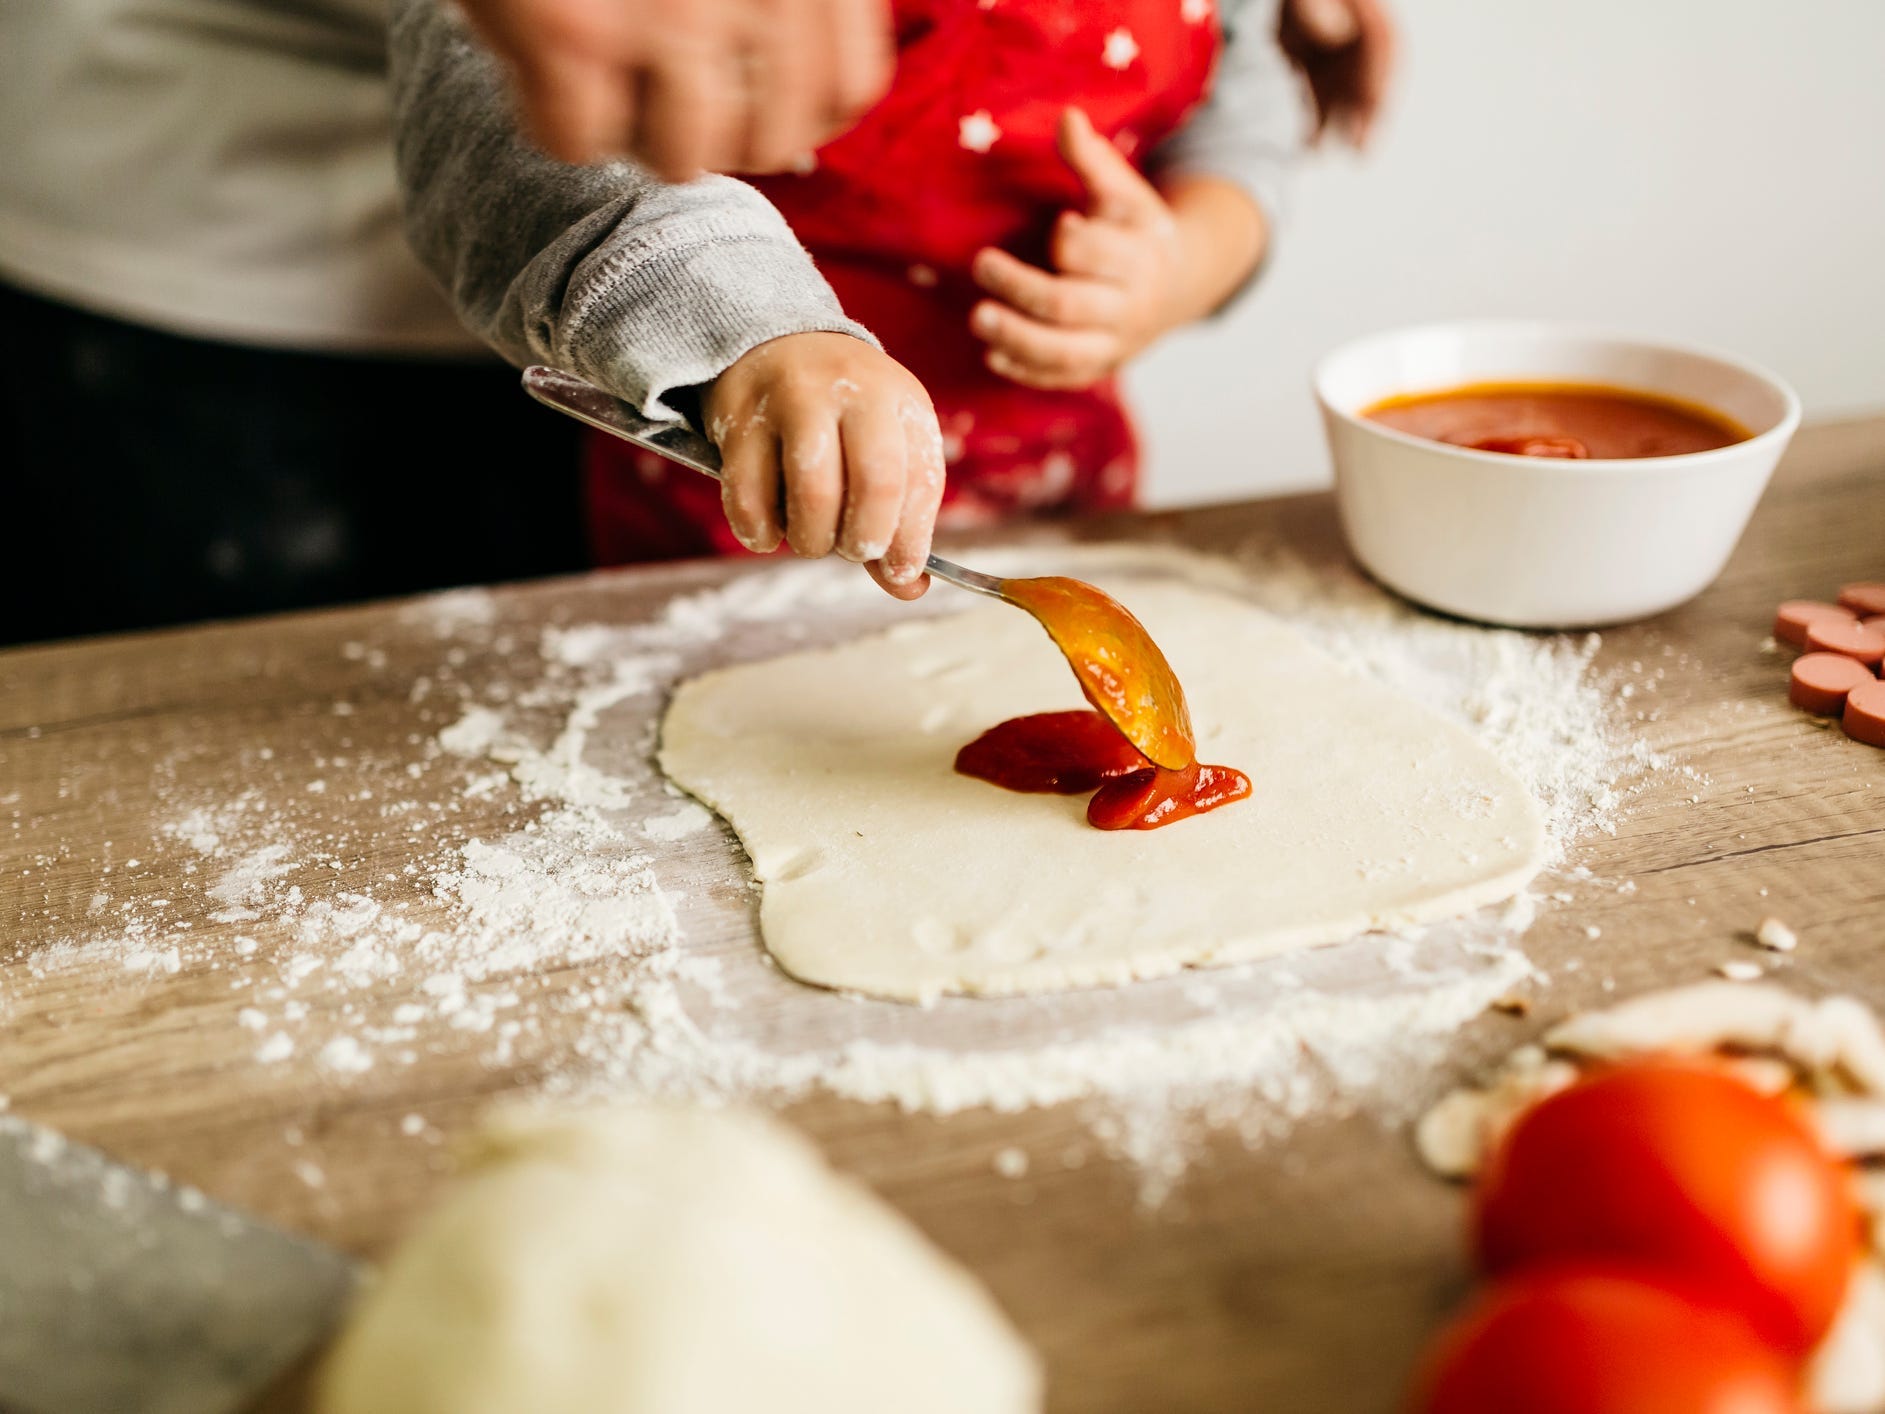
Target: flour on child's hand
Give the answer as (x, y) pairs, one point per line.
(760, 417)
(807, 454)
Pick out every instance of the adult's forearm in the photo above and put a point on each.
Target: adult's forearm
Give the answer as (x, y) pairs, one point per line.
(639, 285)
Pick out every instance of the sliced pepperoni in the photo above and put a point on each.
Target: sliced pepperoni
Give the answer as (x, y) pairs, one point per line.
(1848, 637)
(1865, 714)
(1821, 682)
(1867, 597)
(1796, 615)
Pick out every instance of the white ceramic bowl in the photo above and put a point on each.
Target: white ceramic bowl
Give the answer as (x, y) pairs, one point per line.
(1529, 541)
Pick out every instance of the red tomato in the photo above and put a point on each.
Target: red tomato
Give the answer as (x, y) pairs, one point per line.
(1684, 1170)
(1594, 1340)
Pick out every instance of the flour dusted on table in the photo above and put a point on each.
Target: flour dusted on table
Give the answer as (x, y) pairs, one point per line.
(1254, 1054)
(688, 819)
(544, 900)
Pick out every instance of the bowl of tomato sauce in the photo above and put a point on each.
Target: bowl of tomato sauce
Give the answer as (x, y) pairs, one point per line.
(1543, 475)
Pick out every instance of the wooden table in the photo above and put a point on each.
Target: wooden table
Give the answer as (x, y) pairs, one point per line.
(1301, 1276)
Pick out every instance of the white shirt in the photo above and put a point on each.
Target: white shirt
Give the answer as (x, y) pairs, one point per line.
(220, 168)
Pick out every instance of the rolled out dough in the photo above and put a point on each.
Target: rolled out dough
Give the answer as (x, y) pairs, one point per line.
(886, 873)
(670, 1261)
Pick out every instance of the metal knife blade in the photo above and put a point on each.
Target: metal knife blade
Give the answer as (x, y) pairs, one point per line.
(121, 1291)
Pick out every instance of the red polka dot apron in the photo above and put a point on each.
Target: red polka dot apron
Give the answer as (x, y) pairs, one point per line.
(959, 155)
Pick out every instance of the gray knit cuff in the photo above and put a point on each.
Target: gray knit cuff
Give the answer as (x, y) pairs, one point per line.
(684, 316)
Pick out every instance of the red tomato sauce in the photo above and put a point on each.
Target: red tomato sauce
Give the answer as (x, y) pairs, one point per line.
(1570, 421)
(1155, 796)
(1070, 753)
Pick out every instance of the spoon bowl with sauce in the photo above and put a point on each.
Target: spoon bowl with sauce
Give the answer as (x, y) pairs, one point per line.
(1544, 475)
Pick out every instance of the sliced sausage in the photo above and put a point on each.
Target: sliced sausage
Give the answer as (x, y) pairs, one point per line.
(1846, 636)
(1864, 718)
(1821, 682)
(1866, 597)
(1794, 617)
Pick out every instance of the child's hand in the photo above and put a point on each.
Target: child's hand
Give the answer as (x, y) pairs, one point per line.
(1131, 267)
(843, 440)
(1117, 264)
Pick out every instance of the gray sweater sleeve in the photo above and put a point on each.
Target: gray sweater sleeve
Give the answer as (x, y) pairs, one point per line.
(640, 286)
(1254, 123)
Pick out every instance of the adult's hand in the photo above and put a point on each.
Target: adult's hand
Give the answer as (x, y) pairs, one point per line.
(1346, 50)
(686, 86)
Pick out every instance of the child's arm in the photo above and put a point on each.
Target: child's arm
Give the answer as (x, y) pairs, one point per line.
(1149, 256)
(652, 291)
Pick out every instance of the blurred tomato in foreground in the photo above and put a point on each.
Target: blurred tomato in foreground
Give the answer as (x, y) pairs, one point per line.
(1686, 1171)
(1592, 1340)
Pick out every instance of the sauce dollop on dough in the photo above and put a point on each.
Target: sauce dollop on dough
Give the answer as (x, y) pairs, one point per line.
(1070, 753)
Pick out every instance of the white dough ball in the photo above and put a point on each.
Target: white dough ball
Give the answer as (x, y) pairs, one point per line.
(669, 1261)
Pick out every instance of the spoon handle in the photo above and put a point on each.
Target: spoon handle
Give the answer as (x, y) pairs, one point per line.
(584, 401)
(605, 412)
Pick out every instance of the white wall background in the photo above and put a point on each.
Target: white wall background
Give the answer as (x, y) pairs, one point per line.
(1709, 170)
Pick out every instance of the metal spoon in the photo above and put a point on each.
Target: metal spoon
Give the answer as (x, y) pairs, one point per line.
(1119, 667)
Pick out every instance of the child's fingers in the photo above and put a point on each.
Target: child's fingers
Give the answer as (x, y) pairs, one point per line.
(1116, 191)
(901, 570)
(1055, 377)
(1042, 349)
(812, 460)
(1099, 250)
(1051, 378)
(907, 590)
(874, 457)
(749, 487)
(1069, 300)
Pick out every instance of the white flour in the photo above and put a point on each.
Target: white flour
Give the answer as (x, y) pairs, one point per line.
(596, 924)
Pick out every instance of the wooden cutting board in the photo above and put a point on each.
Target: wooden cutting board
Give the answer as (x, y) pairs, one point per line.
(1299, 1276)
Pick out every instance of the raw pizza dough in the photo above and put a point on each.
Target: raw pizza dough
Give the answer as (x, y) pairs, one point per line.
(669, 1261)
(887, 873)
